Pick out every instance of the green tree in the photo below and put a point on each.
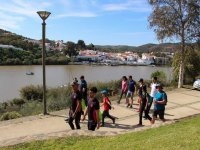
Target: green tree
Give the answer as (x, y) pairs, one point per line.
(91, 46)
(80, 45)
(70, 49)
(177, 19)
(192, 63)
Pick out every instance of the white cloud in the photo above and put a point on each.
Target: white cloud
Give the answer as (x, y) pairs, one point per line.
(130, 5)
(9, 21)
(76, 14)
(13, 13)
(25, 8)
(78, 8)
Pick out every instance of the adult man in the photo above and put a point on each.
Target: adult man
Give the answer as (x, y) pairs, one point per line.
(131, 90)
(160, 100)
(75, 109)
(152, 95)
(83, 89)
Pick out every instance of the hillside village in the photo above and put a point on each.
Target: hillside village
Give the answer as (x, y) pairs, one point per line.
(97, 56)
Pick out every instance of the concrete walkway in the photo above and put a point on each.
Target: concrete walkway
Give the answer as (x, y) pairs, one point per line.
(181, 103)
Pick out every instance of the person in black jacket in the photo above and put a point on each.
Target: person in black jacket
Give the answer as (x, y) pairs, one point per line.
(143, 95)
(75, 108)
(83, 89)
(92, 110)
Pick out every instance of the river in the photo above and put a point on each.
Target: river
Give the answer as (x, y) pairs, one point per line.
(13, 78)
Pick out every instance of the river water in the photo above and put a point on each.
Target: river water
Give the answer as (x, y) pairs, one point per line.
(13, 78)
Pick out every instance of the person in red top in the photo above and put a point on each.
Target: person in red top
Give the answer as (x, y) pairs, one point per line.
(106, 106)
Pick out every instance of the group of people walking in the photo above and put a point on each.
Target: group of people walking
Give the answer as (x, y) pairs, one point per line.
(81, 98)
(145, 100)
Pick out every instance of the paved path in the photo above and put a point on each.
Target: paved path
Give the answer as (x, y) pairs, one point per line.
(181, 103)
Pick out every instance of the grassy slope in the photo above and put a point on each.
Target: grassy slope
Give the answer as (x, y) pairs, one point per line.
(183, 135)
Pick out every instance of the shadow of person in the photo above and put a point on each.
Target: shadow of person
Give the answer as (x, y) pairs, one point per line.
(122, 126)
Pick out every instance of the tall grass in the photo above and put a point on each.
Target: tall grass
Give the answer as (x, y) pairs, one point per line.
(58, 98)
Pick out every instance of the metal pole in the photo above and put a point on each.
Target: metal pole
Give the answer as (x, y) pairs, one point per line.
(43, 67)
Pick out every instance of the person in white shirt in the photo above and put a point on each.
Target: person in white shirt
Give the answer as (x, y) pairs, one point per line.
(152, 95)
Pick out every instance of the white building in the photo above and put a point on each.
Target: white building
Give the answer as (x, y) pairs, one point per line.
(59, 45)
(10, 46)
(148, 58)
(87, 52)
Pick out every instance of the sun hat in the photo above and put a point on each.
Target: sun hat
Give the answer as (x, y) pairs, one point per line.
(141, 80)
(104, 92)
(74, 83)
(159, 85)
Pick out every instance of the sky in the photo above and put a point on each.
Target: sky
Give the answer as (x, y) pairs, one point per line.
(100, 22)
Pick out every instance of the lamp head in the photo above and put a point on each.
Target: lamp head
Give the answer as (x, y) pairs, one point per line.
(43, 14)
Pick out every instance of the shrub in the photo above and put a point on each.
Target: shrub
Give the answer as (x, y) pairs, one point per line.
(5, 105)
(31, 93)
(17, 101)
(58, 98)
(10, 115)
(160, 75)
(2, 110)
(113, 86)
(31, 108)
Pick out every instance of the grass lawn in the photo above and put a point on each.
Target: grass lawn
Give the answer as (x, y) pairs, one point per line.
(183, 135)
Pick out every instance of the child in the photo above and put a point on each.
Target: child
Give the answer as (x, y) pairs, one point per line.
(92, 110)
(106, 106)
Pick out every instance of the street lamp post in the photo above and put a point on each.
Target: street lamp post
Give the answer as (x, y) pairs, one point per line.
(44, 15)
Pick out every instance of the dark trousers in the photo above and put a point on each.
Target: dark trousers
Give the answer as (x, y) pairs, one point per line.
(122, 93)
(106, 114)
(149, 104)
(77, 119)
(92, 125)
(142, 109)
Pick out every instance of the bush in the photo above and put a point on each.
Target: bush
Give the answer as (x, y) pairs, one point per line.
(31, 108)
(32, 93)
(10, 115)
(5, 105)
(58, 98)
(160, 75)
(113, 86)
(17, 101)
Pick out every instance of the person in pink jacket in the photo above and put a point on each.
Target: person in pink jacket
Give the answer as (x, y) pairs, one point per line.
(124, 88)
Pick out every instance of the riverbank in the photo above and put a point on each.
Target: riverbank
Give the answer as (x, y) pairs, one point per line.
(30, 101)
(13, 78)
(182, 103)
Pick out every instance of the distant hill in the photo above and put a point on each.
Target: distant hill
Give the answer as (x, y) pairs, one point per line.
(169, 47)
(18, 41)
(2, 32)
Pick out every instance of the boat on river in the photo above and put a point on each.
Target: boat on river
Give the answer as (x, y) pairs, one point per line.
(29, 73)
